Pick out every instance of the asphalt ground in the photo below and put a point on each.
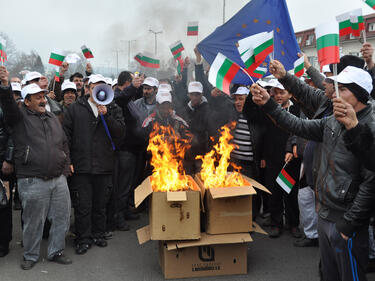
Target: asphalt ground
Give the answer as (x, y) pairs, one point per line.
(124, 259)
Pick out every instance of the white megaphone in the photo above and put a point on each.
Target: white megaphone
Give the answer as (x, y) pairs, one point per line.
(103, 94)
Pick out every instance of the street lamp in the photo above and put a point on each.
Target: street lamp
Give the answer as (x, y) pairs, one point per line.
(129, 42)
(156, 42)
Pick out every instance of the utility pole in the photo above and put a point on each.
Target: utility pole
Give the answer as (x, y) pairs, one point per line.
(116, 51)
(129, 45)
(223, 11)
(156, 40)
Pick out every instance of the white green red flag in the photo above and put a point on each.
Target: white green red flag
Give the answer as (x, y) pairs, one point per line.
(259, 72)
(327, 43)
(176, 49)
(56, 59)
(87, 52)
(371, 3)
(192, 29)
(149, 61)
(180, 65)
(285, 180)
(138, 58)
(3, 55)
(263, 46)
(351, 23)
(299, 67)
(57, 75)
(222, 72)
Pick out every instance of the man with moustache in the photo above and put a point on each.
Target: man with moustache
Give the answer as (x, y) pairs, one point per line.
(42, 162)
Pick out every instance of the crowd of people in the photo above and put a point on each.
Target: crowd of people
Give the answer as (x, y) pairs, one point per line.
(60, 149)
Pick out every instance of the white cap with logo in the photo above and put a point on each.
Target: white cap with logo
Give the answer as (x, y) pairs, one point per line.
(16, 86)
(163, 96)
(242, 91)
(108, 80)
(32, 75)
(31, 90)
(274, 83)
(114, 82)
(151, 81)
(355, 75)
(95, 78)
(68, 85)
(165, 87)
(195, 87)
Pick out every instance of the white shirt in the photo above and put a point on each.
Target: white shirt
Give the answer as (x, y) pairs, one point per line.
(94, 108)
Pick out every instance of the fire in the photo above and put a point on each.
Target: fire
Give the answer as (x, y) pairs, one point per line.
(168, 150)
(214, 170)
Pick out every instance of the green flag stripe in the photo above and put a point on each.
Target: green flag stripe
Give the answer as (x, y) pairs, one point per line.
(57, 57)
(179, 46)
(345, 24)
(150, 60)
(263, 46)
(370, 3)
(250, 61)
(328, 40)
(86, 51)
(299, 68)
(192, 28)
(281, 176)
(222, 72)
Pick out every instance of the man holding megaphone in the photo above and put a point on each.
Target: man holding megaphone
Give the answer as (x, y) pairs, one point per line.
(92, 124)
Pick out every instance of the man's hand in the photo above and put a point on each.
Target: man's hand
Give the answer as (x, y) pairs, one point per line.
(4, 75)
(346, 238)
(52, 95)
(198, 56)
(187, 61)
(89, 68)
(288, 157)
(344, 113)
(260, 95)
(306, 60)
(7, 168)
(63, 68)
(102, 109)
(367, 51)
(277, 69)
(295, 154)
(263, 164)
(178, 78)
(215, 92)
(137, 82)
(71, 170)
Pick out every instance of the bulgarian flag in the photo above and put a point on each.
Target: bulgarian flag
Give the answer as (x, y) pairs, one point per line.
(263, 46)
(138, 58)
(299, 67)
(176, 49)
(222, 72)
(3, 55)
(259, 72)
(149, 61)
(56, 59)
(245, 48)
(87, 52)
(351, 23)
(180, 65)
(371, 3)
(285, 180)
(327, 43)
(192, 29)
(57, 76)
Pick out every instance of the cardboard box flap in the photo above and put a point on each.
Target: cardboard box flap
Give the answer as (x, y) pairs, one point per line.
(202, 189)
(257, 184)
(224, 192)
(207, 239)
(176, 196)
(142, 192)
(258, 229)
(143, 234)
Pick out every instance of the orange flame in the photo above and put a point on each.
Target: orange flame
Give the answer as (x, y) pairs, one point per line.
(168, 150)
(216, 175)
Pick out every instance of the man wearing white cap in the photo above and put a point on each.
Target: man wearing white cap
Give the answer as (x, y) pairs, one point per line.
(147, 103)
(42, 163)
(344, 187)
(196, 114)
(92, 144)
(69, 93)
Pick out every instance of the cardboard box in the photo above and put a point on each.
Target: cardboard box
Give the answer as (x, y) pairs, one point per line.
(172, 215)
(212, 255)
(229, 209)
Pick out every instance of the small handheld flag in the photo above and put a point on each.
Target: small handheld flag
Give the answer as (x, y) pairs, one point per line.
(285, 180)
(3, 55)
(192, 29)
(351, 23)
(327, 43)
(56, 58)
(176, 49)
(299, 67)
(87, 52)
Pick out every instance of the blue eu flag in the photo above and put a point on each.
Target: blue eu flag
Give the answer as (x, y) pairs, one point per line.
(257, 16)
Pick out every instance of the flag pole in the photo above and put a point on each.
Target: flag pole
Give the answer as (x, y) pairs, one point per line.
(364, 35)
(247, 74)
(335, 80)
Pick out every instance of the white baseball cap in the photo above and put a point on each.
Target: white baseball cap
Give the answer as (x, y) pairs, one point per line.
(274, 83)
(151, 81)
(355, 75)
(163, 96)
(326, 68)
(242, 91)
(32, 89)
(68, 85)
(165, 86)
(262, 83)
(108, 80)
(32, 75)
(23, 82)
(114, 82)
(195, 87)
(16, 86)
(95, 78)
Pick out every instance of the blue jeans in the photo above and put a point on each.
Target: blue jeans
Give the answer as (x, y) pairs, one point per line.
(40, 200)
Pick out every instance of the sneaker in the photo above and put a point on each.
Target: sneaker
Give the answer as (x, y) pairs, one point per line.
(306, 242)
(275, 232)
(61, 259)
(100, 242)
(82, 248)
(27, 264)
(108, 235)
(296, 233)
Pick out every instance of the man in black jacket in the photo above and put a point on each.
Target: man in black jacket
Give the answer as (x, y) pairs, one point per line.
(344, 187)
(42, 163)
(92, 154)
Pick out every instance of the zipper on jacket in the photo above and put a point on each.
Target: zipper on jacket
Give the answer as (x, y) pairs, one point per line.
(26, 155)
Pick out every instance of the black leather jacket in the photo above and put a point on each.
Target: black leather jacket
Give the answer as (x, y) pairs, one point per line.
(345, 188)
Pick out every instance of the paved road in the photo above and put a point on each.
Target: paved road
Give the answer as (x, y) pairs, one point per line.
(268, 260)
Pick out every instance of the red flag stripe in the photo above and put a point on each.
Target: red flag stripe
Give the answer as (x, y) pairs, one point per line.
(288, 177)
(229, 77)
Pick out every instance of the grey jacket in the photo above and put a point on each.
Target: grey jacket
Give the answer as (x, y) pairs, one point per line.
(345, 188)
(144, 110)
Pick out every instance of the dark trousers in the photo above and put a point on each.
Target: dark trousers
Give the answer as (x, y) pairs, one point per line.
(89, 194)
(6, 222)
(342, 260)
(280, 200)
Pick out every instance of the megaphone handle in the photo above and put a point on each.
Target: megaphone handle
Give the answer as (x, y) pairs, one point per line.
(107, 131)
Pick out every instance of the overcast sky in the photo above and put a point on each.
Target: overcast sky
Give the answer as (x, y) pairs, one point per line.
(103, 25)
